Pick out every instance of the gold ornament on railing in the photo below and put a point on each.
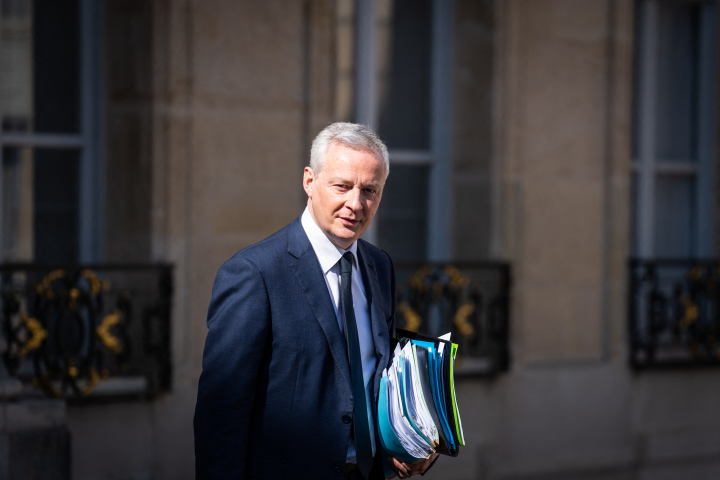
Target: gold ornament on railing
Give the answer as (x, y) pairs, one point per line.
(461, 319)
(412, 319)
(103, 331)
(37, 335)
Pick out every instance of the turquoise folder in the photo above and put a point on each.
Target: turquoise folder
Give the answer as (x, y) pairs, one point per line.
(389, 441)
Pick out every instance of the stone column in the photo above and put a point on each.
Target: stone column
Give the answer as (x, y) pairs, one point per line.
(34, 440)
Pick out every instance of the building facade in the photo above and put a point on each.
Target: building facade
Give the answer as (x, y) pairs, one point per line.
(574, 142)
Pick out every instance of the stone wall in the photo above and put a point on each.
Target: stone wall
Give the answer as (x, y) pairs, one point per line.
(540, 141)
(127, 129)
(472, 184)
(34, 441)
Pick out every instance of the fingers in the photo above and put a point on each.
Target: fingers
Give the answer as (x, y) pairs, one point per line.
(400, 468)
(403, 470)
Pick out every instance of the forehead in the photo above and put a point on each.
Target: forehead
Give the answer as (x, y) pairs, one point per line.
(340, 157)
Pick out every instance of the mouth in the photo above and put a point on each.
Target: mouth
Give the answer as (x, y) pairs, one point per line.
(349, 222)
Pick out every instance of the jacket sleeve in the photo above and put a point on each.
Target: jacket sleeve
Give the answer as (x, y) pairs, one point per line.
(238, 323)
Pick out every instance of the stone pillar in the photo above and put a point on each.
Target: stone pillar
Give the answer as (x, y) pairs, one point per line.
(34, 441)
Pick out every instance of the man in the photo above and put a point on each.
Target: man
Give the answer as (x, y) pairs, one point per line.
(299, 327)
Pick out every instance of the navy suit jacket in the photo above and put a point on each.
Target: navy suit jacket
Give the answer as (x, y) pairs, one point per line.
(275, 383)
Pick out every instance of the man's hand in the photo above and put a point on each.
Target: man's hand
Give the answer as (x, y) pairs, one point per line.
(405, 470)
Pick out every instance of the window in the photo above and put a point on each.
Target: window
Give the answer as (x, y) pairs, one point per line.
(397, 80)
(50, 188)
(674, 141)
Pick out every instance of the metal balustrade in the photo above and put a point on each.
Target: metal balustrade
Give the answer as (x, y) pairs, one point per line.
(82, 332)
(470, 300)
(674, 313)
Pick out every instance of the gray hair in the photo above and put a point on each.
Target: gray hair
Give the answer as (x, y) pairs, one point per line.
(352, 135)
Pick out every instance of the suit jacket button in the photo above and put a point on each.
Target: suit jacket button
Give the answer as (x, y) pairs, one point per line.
(346, 419)
(339, 467)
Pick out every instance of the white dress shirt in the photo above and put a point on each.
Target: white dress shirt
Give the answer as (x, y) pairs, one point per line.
(329, 256)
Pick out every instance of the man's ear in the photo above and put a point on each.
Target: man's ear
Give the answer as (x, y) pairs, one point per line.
(308, 178)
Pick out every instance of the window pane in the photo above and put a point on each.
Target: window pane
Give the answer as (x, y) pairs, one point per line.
(17, 205)
(40, 66)
(402, 216)
(677, 80)
(674, 213)
(56, 206)
(404, 40)
(16, 66)
(40, 205)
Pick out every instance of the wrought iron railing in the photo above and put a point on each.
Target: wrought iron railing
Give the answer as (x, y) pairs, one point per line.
(674, 313)
(471, 300)
(96, 331)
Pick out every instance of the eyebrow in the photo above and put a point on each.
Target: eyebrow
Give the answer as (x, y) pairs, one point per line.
(341, 180)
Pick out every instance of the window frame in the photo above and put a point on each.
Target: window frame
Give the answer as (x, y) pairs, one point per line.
(87, 142)
(437, 157)
(647, 166)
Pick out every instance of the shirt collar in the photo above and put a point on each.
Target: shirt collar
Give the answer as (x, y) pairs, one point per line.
(327, 252)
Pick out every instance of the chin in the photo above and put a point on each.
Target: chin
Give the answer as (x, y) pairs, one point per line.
(347, 235)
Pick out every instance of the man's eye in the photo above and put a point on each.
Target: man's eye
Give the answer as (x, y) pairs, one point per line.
(370, 191)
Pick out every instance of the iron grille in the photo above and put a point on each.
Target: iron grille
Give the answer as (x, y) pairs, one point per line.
(470, 300)
(674, 319)
(96, 331)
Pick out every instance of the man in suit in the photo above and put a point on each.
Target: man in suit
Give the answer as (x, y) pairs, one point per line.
(298, 333)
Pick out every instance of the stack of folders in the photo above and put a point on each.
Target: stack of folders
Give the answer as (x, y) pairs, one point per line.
(417, 409)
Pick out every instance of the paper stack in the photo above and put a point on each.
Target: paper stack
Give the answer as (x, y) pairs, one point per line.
(417, 408)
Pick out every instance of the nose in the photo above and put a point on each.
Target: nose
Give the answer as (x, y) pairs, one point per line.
(353, 201)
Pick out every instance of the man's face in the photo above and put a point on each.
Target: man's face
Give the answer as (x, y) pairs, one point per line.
(344, 196)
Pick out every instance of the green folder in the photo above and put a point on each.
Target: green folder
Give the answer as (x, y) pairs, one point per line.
(456, 411)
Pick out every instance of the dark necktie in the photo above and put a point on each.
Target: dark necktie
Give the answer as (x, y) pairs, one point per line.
(363, 447)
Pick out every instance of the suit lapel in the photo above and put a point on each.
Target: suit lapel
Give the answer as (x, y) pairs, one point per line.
(309, 275)
(377, 319)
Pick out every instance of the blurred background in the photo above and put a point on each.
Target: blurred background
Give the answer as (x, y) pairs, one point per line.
(552, 201)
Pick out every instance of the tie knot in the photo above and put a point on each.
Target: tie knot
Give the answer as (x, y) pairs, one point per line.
(346, 263)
